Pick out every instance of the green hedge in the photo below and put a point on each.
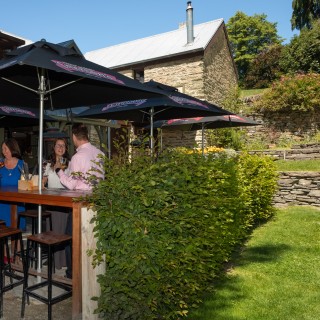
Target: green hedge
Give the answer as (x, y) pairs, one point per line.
(166, 228)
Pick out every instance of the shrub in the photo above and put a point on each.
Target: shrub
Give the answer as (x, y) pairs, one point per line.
(300, 93)
(165, 228)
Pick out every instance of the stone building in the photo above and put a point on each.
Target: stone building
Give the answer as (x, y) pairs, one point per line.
(196, 59)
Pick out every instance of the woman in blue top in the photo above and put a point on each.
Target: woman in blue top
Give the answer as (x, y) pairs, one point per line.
(9, 176)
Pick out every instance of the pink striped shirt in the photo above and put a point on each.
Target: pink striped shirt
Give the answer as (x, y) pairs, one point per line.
(86, 158)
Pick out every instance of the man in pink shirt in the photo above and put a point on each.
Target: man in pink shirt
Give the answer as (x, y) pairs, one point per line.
(87, 161)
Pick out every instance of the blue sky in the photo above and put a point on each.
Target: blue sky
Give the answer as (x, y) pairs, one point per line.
(100, 23)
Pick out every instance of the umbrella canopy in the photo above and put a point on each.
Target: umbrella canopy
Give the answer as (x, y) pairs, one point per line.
(70, 80)
(201, 123)
(20, 116)
(214, 122)
(174, 104)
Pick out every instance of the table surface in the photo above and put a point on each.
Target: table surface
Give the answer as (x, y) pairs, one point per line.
(63, 198)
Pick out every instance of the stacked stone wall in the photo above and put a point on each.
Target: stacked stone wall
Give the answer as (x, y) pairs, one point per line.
(298, 188)
(291, 154)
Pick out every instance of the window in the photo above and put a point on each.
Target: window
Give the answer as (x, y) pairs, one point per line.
(138, 75)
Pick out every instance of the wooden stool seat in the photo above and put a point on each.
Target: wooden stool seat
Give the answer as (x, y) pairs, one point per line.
(48, 239)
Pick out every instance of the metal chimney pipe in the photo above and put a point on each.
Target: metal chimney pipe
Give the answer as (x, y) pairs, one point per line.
(189, 23)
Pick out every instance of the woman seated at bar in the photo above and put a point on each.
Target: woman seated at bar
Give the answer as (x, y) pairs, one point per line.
(51, 179)
(58, 158)
(10, 172)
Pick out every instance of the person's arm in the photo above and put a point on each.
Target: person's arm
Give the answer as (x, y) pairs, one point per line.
(69, 178)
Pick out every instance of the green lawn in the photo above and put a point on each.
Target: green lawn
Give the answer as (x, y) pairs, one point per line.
(298, 165)
(250, 92)
(277, 276)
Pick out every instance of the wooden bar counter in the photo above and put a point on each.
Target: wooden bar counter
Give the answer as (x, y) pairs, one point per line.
(56, 198)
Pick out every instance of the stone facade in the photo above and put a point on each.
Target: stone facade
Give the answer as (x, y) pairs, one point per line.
(220, 73)
(208, 75)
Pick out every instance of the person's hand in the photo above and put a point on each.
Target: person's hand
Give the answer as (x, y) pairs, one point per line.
(57, 165)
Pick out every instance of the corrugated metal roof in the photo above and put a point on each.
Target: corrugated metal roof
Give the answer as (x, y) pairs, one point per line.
(27, 41)
(155, 47)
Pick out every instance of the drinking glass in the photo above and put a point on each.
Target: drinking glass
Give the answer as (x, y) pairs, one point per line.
(63, 162)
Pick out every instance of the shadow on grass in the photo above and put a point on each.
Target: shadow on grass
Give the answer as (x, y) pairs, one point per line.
(263, 254)
(228, 288)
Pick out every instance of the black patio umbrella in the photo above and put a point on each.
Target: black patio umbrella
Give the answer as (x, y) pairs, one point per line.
(202, 123)
(49, 76)
(174, 104)
(14, 117)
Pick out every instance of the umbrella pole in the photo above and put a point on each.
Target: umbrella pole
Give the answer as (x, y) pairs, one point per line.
(202, 138)
(151, 132)
(109, 142)
(40, 155)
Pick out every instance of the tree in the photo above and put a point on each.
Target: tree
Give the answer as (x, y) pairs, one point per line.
(304, 13)
(264, 69)
(302, 54)
(249, 35)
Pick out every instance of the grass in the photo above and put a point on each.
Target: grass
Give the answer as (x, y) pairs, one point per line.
(250, 92)
(277, 274)
(298, 165)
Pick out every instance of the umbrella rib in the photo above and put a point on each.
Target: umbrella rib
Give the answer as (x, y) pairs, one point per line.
(20, 85)
(36, 91)
(64, 85)
(156, 112)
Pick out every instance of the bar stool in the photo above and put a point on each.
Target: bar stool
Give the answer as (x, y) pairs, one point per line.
(49, 240)
(5, 268)
(33, 215)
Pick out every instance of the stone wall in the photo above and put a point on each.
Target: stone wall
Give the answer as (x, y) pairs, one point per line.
(179, 138)
(184, 74)
(298, 188)
(291, 154)
(219, 72)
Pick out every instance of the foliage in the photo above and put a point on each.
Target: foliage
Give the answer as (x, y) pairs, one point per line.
(292, 93)
(164, 228)
(249, 35)
(304, 13)
(233, 138)
(302, 54)
(264, 68)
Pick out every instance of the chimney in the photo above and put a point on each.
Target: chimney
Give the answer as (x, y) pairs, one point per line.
(189, 23)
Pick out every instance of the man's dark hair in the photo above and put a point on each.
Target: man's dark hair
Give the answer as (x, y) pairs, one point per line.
(80, 131)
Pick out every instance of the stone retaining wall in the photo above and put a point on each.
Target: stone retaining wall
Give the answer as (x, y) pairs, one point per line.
(298, 188)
